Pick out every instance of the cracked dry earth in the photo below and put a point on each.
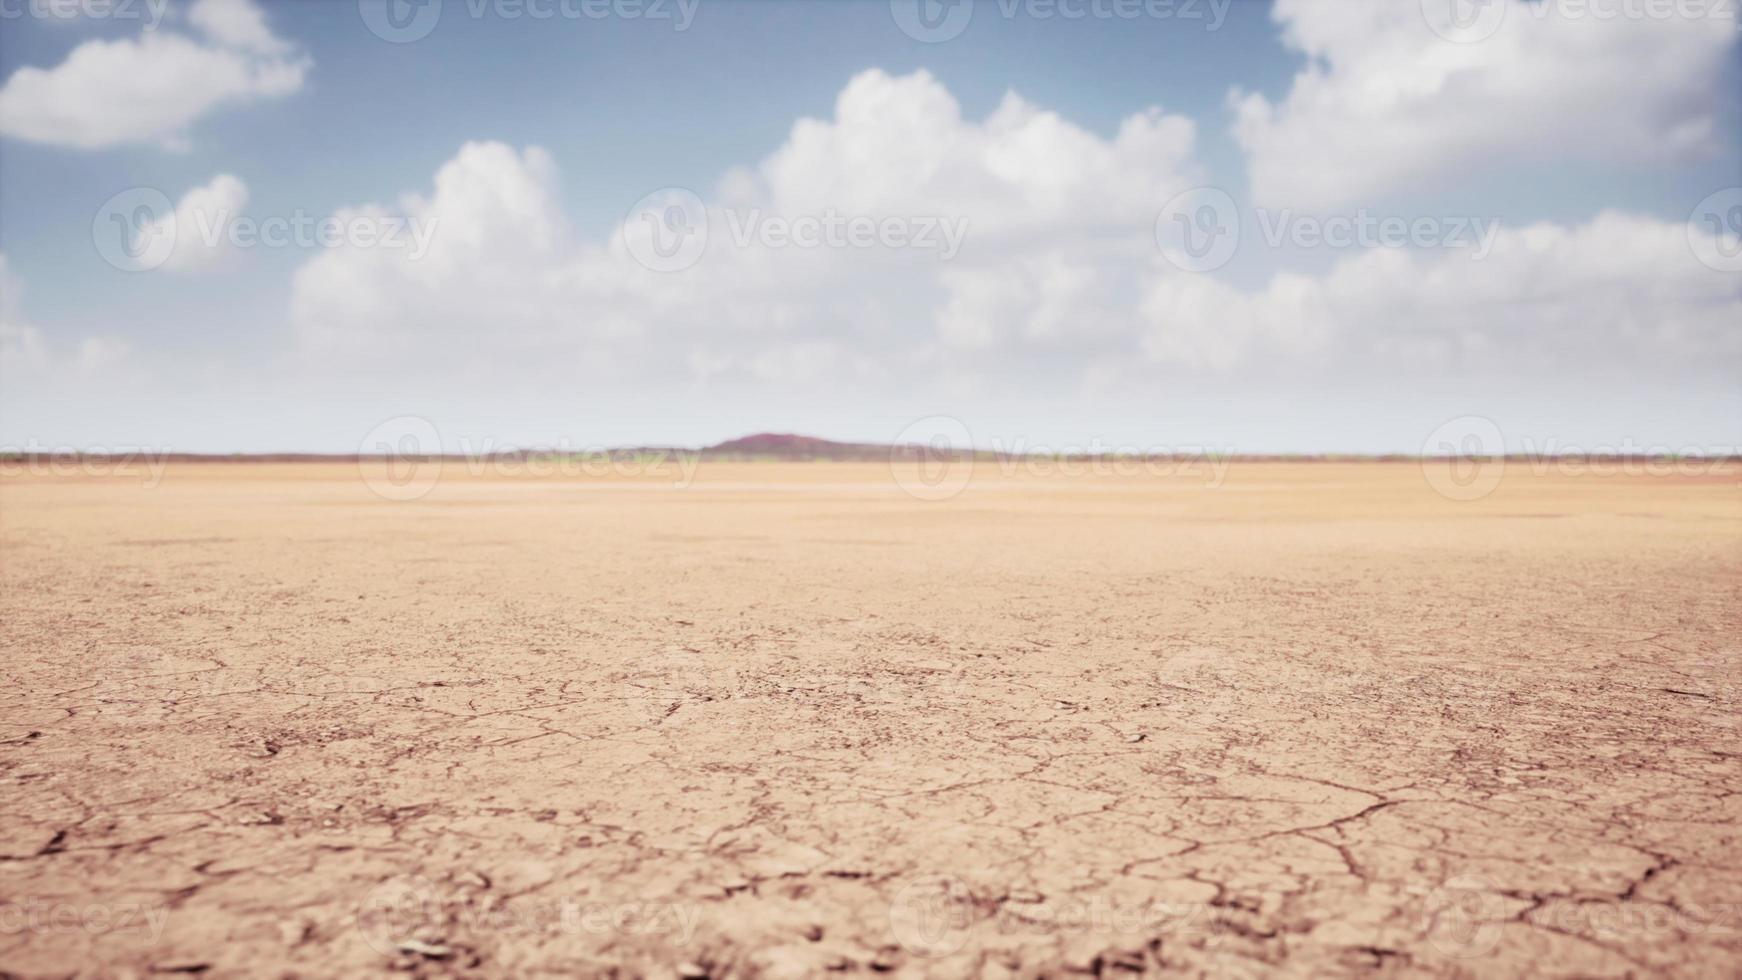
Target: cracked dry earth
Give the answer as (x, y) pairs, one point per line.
(790, 721)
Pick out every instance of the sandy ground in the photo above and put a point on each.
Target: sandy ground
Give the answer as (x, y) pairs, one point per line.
(1316, 720)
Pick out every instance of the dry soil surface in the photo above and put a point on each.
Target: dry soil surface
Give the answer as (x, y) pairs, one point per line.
(790, 720)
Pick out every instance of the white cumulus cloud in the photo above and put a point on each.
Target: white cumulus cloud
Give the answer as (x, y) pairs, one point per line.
(152, 88)
(899, 144)
(1386, 104)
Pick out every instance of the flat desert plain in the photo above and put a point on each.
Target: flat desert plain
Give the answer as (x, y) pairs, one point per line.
(790, 720)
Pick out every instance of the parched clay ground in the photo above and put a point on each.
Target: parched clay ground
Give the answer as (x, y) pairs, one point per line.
(1317, 721)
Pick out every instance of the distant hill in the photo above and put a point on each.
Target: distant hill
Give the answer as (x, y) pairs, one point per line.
(779, 445)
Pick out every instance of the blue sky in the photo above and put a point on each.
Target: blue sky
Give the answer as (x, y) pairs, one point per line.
(1283, 348)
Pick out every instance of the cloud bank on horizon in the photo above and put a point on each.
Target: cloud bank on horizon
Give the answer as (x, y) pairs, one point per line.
(904, 252)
